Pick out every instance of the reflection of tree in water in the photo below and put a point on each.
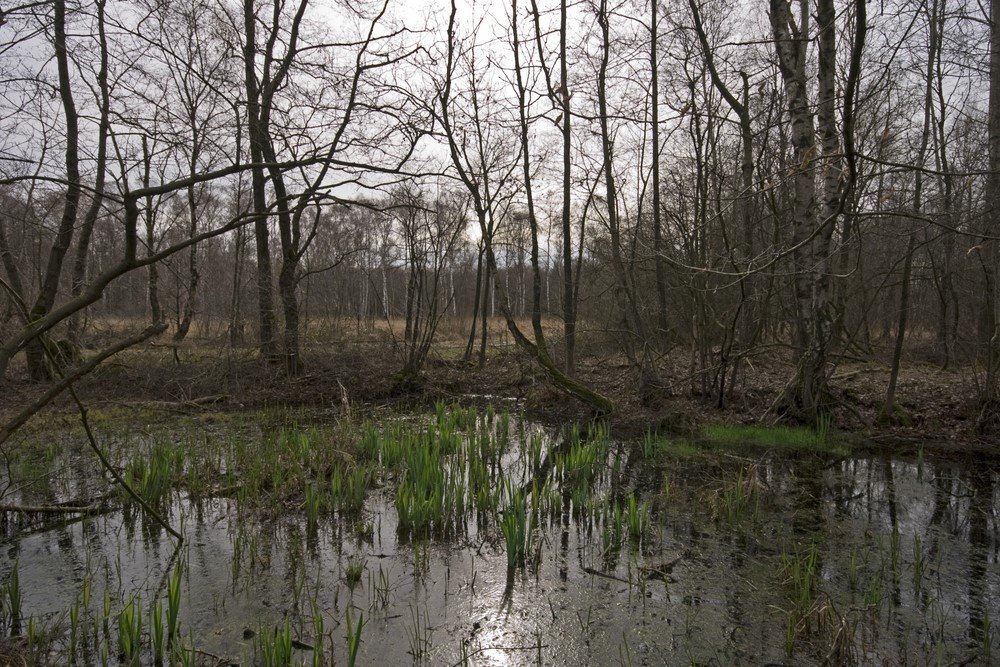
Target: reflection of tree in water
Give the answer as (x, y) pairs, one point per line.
(889, 487)
(982, 531)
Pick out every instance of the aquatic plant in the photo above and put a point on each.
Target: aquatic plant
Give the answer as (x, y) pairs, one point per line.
(418, 634)
(156, 631)
(354, 637)
(354, 570)
(918, 561)
(318, 657)
(153, 477)
(348, 487)
(274, 648)
(802, 573)
(130, 632)
(432, 494)
(74, 629)
(637, 515)
(12, 599)
(378, 586)
(514, 525)
(313, 500)
(739, 500)
(174, 603)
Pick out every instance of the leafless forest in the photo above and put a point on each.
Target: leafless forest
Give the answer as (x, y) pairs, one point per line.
(688, 191)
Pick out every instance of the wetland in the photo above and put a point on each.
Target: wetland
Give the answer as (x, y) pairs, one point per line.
(470, 534)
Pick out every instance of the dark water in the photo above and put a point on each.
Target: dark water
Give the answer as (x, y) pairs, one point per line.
(905, 555)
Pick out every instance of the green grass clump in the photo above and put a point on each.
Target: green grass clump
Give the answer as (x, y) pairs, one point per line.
(516, 529)
(738, 501)
(274, 649)
(658, 446)
(781, 436)
(637, 515)
(153, 477)
(431, 496)
(354, 570)
(347, 488)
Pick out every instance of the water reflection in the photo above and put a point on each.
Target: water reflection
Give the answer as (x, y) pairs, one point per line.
(905, 567)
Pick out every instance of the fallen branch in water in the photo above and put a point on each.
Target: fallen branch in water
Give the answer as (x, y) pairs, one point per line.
(54, 509)
(117, 475)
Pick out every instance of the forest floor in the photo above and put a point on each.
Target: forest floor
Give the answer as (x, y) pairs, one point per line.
(939, 404)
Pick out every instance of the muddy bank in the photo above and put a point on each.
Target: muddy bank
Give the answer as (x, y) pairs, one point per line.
(939, 404)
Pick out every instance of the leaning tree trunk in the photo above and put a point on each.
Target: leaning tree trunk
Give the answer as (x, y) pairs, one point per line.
(637, 350)
(536, 349)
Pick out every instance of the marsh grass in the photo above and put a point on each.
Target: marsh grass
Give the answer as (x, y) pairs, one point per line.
(637, 515)
(130, 632)
(274, 647)
(154, 475)
(353, 571)
(656, 446)
(12, 600)
(738, 502)
(516, 530)
(793, 438)
(802, 574)
(354, 637)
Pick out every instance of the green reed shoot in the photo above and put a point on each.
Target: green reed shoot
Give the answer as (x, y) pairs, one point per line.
(638, 519)
(275, 647)
(317, 621)
(174, 603)
(130, 632)
(918, 561)
(156, 631)
(353, 637)
(12, 600)
(74, 629)
(514, 525)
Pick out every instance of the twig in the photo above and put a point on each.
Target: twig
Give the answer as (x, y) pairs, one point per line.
(598, 573)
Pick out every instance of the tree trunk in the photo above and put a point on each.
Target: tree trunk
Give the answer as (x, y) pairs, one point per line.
(654, 73)
(152, 280)
(467, 356)
(97, 198)
(889, 411)
(810, 243)
(265, 289)
(569, 302)
(991, 248)
(38, 368)
(193, 276)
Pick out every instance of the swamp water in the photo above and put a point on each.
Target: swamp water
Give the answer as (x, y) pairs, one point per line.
(468, 536)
